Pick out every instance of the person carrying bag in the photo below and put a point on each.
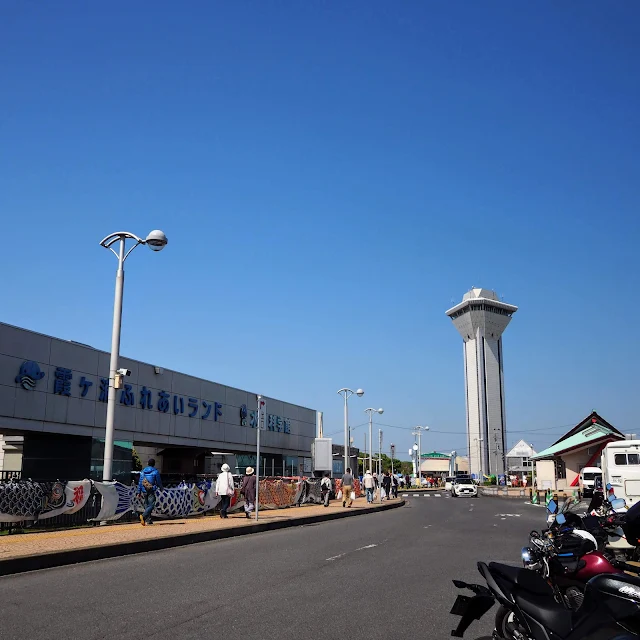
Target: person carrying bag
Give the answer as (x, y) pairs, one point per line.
(225, 489)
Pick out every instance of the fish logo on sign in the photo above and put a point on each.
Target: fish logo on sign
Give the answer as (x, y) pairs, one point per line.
(29, 374)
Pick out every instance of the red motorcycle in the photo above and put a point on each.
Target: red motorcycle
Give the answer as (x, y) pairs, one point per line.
(567, 558)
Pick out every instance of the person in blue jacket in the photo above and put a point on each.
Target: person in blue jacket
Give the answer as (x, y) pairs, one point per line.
(149, 483)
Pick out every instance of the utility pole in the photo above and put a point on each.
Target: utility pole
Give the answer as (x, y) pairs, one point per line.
(495, 442)
(348, 452)
(418, 432)
(364, 455)
(380, 464)
(533, 470)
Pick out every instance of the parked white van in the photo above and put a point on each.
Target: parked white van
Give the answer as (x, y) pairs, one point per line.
(621, 469)
(587, 479)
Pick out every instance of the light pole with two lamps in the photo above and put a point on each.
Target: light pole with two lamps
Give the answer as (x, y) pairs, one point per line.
(156, 241)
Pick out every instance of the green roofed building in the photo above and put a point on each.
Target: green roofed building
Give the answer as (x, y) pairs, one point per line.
(558, 466)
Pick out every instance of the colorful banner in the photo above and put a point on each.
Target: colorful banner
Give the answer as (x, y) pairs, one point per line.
(187, 499)
(21, 501)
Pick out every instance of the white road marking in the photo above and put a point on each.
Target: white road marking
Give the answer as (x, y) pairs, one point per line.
(405, 495)
(437, 495)
(507, 515)
(341, 555)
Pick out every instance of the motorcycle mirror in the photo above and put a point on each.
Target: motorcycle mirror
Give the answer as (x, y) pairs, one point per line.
(560, 519)
(552, 507)
(618, 503)
(609, 487)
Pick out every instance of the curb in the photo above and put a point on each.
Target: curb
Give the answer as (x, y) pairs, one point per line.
(36, 562)
(501, 497)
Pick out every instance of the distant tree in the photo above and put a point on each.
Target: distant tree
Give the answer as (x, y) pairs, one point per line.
(136, 463)
(406, 468)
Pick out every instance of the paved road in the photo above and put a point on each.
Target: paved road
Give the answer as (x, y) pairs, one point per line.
(383, 575)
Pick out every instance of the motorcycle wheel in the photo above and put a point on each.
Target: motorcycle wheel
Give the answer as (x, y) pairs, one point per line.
(505, 623)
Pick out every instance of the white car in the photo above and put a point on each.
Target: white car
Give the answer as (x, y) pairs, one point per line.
(448, 483)
(464, 486)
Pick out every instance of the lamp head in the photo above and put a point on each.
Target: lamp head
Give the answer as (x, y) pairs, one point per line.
(359, 393)
(156, 240)
(380, 410)
(415, 447)
(426, 428)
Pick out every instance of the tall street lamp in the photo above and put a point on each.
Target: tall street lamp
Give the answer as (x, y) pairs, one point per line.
(371, 411)
(156, 241)
(346, 394)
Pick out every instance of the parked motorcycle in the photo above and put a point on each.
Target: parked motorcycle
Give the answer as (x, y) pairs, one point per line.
(566, 560)
(610, 611)
(616, 529)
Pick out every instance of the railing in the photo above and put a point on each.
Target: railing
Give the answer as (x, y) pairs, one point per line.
(91, 509)
(6, 476)
(65, 521)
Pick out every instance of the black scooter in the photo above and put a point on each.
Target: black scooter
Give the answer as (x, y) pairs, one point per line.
(610, 611)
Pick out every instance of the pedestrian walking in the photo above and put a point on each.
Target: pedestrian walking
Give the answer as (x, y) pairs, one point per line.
(225, 489)
(386, 485)
(149, 483)
(394, 486)
(248, 490)
(407, 481)
(369, 486)
(325, 489)
(347, 484)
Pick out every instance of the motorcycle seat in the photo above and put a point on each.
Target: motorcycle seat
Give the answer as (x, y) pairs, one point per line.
(524, 578)
(546, 612)
(535, 597)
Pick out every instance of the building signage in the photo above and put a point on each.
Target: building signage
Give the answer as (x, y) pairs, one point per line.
(29, 374)
(274, 423)
(64, 384)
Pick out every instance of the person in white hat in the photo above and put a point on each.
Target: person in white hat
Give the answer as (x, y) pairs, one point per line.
(369, 485)
(248, 490)
(225, 489)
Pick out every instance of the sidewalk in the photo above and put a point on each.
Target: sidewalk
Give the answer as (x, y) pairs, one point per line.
(32, 551)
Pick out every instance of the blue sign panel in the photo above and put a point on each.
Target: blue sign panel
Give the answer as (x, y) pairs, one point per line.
(63, 384)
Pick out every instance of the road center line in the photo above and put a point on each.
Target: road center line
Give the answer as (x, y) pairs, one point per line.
(336, 557)
(369, 546)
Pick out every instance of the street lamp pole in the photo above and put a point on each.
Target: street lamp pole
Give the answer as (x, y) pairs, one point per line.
(371, 411)
(156, 241)
(346, 394)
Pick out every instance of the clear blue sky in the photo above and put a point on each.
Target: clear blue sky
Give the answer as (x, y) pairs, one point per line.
(331, 176)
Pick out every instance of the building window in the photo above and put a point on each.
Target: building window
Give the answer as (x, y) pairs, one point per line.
(561, 469)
